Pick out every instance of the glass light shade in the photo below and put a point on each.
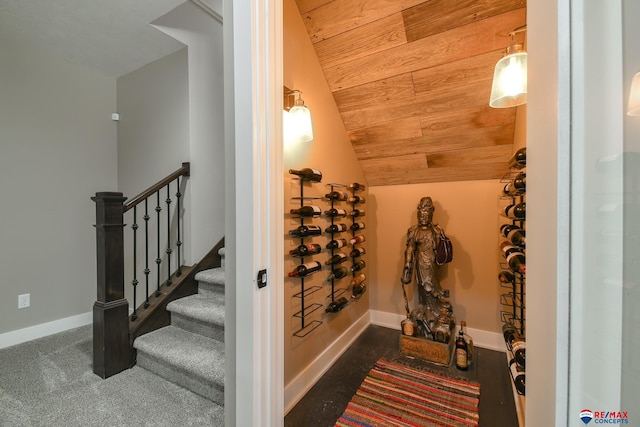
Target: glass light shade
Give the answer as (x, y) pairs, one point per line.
(298, 123)
(633, 108)
(509, 87)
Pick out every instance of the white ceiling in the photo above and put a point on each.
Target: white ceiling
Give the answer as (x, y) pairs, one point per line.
(111, 36)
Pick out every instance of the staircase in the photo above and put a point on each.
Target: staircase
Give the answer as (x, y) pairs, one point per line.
(190, 351)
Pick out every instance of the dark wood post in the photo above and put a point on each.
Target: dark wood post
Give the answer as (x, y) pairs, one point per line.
(111, 351)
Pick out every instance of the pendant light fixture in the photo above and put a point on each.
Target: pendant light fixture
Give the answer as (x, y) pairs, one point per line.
(633, 107)
(297, 118)
(509, 87)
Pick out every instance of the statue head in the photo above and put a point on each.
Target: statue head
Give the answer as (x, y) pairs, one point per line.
(425, 211)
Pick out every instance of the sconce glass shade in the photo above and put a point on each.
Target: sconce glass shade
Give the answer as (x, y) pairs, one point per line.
(633, 108)
(509, 87)
(298, 123)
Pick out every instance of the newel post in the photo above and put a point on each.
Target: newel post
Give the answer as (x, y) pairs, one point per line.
(111, 309)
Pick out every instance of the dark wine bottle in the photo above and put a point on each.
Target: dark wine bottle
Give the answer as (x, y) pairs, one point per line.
(519, 159)
(306, 269)
(518, 376)
(462, 352)
(520, 183)
(306, 230)
(517, 237)
(358, 289)
(356, 199)
(356, 252)
(337, 305)
(357, 239)
(469, 340)
(515, 211)
(358, 279)
(517, 262)
(306, 250)
(509, 332)
(508, 248)
(334, 213)
(505, 229)
(335, 228)
(338, 273)
(307, 174)
(358, 266)
(306, 211)
(336, 243)
(518, 348)
(357, 186)
(336, 259)
(506, 276)
(337, 195)
(356, 213)
(357, 226)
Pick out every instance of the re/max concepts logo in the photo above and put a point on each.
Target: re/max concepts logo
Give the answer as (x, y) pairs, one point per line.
(602, 417)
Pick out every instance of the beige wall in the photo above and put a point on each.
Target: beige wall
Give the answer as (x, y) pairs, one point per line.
(330, 152)
(468, 211)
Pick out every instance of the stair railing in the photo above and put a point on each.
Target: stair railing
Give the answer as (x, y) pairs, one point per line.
(111, 343)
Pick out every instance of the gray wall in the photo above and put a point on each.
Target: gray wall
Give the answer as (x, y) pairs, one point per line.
(57, 149)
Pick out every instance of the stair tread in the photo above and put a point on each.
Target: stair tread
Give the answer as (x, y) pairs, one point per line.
(185, 351)
(213, 276)
(208, 309)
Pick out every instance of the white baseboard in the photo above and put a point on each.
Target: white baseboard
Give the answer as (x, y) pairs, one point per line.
(484, 339)
(300, 385)
(20, 336)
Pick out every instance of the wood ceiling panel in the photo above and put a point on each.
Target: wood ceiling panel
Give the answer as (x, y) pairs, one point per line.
(305, 6)
(434, 102)
(430, 144)
(395, 88)
(436, 16)
(484, 36)
(412, 162)
(390, 131)
(340, 16)
(466, 119)
(374, 37)
(447, 174)
(471, 156)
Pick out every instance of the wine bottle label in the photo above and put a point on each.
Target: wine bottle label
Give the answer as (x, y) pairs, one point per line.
(310, 265)
(462, 358)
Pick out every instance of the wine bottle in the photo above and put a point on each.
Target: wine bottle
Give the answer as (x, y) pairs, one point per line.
(357, 186)
(358, 279)
(335, 228)
(358, 266)
(356, 252)
(357, 239)
(518, 348)
(336, 244)
(306, 211)
(520, 183)
(356, 199)
(307, 174)
(518, 376)
(505, 229)
(305, 269)
(509, 189)
(517, 237)
(336, 259)
(468, 339)
(306, 250)
(358, 289)
(408, 326)
(506, 276)
(337, 305)
(338, 273)
(515, 211)
(462, 352)
(337, 195)
(519, 159)
(306, 230)
(357, 226)
(356, 213)
(517, 262)
(333, 213)
(509, 332)
(507, 248)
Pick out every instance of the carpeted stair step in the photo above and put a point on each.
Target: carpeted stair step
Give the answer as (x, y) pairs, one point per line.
(211, 282)
(200, 314)
(190, 360)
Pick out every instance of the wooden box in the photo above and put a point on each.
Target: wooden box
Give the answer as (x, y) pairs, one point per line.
(431, 351)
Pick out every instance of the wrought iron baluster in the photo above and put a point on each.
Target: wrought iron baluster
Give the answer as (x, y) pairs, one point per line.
(134, 282)
(146, 252)
(158, 259)
(178, 242)
(168, 250)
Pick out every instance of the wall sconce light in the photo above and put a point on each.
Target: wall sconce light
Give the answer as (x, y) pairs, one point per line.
(297, 118)
(633, 107)
(509, 87)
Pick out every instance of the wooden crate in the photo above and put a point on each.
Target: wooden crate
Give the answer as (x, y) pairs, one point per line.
(431, 351)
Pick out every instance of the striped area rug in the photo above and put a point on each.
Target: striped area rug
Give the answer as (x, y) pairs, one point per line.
(398, 395)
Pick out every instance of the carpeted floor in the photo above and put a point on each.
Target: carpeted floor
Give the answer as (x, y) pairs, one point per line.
(49, 382)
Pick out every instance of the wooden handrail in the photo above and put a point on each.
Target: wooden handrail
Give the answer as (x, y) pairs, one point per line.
(185, 170)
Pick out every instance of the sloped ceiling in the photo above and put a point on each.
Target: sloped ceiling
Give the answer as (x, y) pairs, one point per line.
(412, 79)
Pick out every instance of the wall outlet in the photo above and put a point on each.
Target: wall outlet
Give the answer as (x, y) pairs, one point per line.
(24, 300)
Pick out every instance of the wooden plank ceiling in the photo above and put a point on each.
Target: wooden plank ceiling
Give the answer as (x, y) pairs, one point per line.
(412, 79)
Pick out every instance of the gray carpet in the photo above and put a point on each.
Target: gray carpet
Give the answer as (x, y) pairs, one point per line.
(49, 382)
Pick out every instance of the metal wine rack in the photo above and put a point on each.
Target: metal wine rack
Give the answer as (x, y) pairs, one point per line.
(335, 292)
(355, 219)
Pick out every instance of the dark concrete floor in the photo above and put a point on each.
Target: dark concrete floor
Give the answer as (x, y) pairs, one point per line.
(328, 398)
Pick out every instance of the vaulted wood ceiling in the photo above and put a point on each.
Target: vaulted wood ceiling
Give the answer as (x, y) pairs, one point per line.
(412, 79)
